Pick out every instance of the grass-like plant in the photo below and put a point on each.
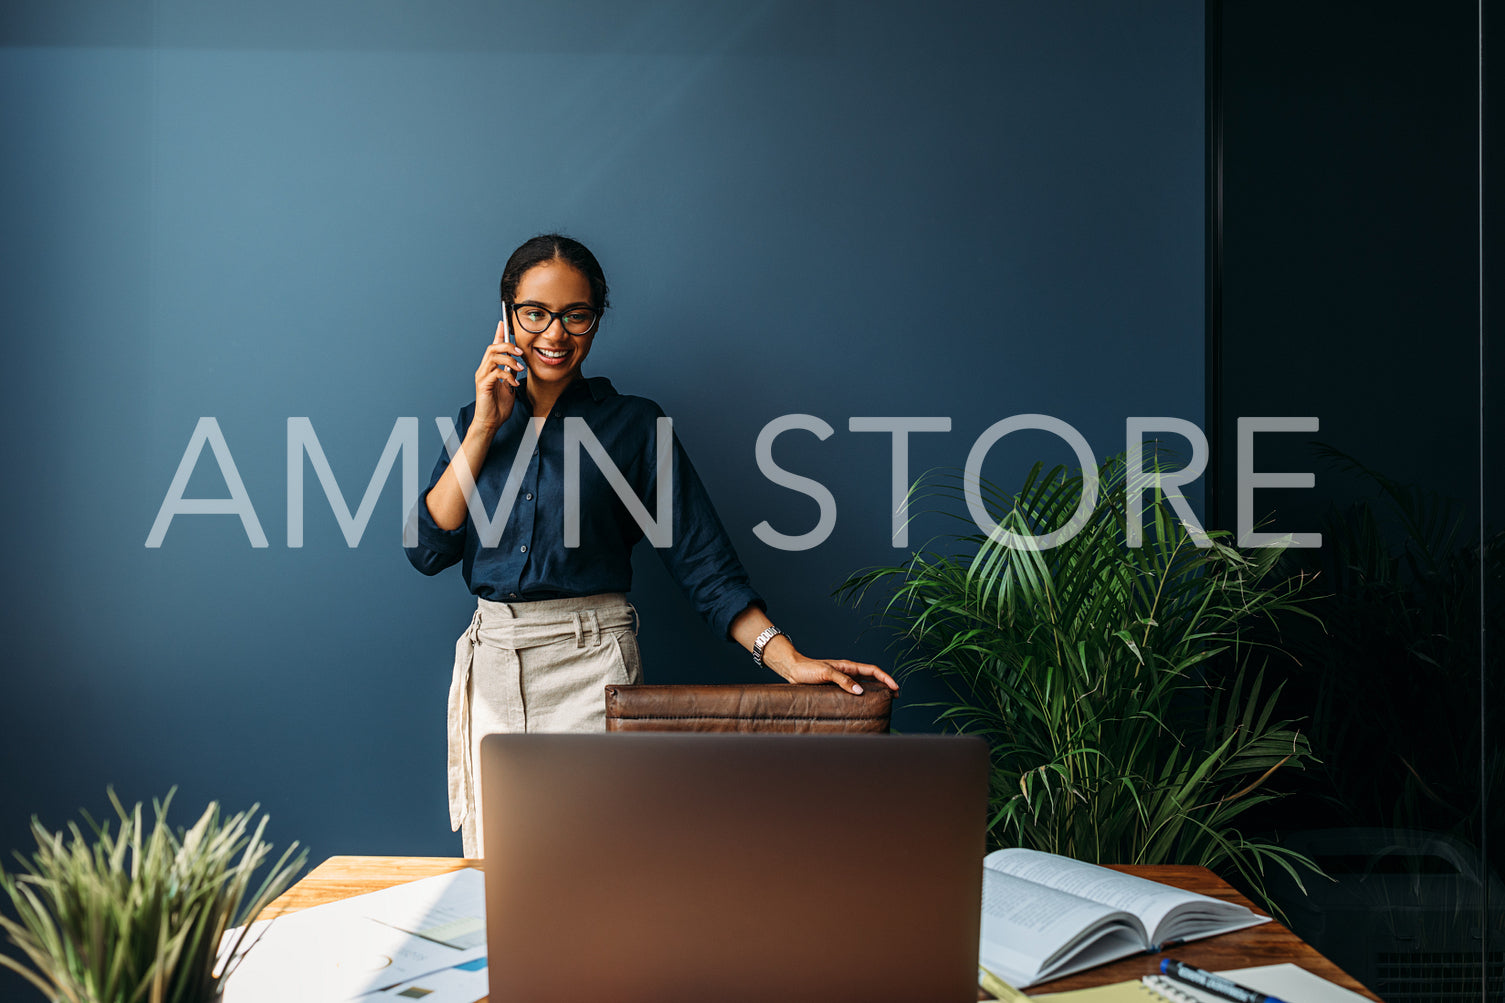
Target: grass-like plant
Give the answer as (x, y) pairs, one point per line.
(1124, 704)
(136, 916)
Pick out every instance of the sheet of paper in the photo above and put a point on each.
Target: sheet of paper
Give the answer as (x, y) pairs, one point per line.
(347, 949)
(1286, 982)
(464, 983)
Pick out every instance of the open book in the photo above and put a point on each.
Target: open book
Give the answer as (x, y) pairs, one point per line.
(1044, 916)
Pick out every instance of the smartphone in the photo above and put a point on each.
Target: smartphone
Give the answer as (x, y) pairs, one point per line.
(512, 340)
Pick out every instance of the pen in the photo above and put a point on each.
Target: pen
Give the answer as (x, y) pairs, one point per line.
(1213, 983)
(1001, 989)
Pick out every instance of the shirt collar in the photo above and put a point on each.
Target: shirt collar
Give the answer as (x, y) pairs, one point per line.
(598, 387)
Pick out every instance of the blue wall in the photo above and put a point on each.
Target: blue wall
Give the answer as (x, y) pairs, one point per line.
(275, 210)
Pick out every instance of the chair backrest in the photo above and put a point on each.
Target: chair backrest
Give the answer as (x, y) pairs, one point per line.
(768, 707)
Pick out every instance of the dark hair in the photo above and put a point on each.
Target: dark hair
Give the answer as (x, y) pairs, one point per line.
(555, 247)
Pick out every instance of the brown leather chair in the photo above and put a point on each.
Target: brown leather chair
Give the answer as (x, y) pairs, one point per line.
(770, 707)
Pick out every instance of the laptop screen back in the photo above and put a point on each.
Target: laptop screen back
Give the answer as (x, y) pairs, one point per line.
(669, 867)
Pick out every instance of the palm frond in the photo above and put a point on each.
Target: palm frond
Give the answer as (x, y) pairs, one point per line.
(1118, 686)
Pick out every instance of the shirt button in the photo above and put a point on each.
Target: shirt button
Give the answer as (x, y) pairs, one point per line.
(529, 496)
(522, 550)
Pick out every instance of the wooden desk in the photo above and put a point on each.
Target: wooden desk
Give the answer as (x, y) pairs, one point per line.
(1267, 944)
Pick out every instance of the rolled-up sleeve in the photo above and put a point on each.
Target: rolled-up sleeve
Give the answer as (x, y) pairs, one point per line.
(700, 557)
(438, 548)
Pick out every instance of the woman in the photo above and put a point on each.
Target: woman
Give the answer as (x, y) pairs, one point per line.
(546, 537)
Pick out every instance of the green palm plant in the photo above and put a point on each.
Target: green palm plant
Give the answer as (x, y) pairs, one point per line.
(1122, 698)
(137, 917)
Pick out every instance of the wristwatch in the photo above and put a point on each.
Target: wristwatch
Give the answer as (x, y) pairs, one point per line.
(762, 642)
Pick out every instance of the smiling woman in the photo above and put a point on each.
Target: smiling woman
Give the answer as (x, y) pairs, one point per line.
(548, 279)
(552, 339)
(553, 625)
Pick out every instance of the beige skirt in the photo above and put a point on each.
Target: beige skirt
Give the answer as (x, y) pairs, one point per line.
(532, 667)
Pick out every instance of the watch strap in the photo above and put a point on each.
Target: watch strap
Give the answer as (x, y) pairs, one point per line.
(762, 642)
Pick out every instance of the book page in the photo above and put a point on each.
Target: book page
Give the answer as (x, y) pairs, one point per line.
(1150, 900)
(1028, 929)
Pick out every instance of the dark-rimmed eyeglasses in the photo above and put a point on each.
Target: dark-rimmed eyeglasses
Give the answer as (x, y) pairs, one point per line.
(576, 320)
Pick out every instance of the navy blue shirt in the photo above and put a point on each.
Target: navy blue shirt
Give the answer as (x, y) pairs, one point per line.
(531, 560)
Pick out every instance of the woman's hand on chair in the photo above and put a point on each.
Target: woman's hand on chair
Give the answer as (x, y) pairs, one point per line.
(782, 657)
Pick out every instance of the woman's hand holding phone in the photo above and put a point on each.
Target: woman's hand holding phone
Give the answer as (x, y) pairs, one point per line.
(496, 389)
(496, 379)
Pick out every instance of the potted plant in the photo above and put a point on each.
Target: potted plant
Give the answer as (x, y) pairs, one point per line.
(135, 915)
(1117, 685)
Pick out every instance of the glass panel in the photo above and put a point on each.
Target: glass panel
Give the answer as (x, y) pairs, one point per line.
(1350, 297)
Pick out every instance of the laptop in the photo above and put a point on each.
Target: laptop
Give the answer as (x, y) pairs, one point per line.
(732, 867)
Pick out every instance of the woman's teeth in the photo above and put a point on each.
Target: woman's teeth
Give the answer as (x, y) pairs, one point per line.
(551, 355)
